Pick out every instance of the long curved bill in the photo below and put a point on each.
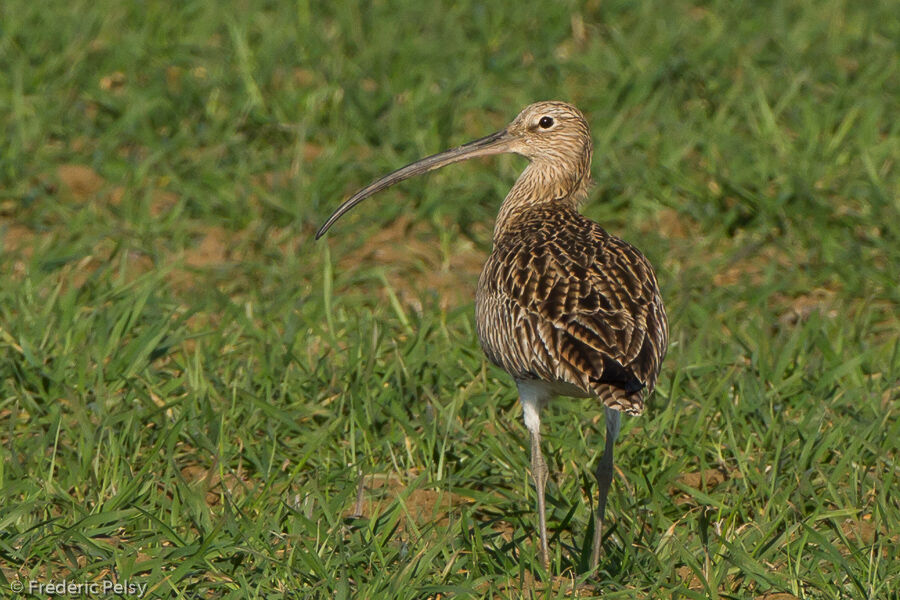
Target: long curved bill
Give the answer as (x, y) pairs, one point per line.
(495, 143)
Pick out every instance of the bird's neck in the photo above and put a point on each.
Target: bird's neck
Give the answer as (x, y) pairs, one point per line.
(541, 184)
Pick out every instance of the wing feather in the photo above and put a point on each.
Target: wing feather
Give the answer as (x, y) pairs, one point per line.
(585, 305)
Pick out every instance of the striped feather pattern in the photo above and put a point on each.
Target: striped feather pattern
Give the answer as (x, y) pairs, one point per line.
(561, 300)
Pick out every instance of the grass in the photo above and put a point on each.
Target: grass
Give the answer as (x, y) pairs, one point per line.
(191, 385)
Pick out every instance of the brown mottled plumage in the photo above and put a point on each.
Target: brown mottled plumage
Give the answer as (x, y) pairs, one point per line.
(561, 300)
(562, 306)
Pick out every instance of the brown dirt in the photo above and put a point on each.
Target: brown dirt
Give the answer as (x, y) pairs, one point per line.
(750, 269)
(860, 530)
(672, 225)
(416, 266)
(312, 151)
(687, 575)
(708, 479)
(212, 249)
(305, 77)
(80, 182)
(422, 506)
(212, 484)
(17, 239)
(796, 309)
(704, 481)
(162, 201)
(274, 180)
(114, 82)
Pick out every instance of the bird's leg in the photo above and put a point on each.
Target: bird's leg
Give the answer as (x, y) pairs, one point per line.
(360, 490)
(604, 474)
(533, 397)
(539, 473)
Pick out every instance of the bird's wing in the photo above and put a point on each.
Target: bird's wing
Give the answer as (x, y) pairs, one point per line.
(590, 304)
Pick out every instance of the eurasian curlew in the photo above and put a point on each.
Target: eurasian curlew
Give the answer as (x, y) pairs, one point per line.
(562, 306)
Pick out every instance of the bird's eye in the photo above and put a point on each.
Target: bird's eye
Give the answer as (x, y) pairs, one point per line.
(546, 122)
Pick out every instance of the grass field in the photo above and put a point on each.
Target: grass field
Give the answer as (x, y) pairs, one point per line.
(191, 385)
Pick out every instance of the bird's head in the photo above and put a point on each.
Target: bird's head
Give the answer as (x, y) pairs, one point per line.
(554, 135)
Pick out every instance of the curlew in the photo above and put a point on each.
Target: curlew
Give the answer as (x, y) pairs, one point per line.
(562, 306)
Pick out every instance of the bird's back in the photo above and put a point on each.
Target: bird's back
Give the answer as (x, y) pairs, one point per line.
(563, 302)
